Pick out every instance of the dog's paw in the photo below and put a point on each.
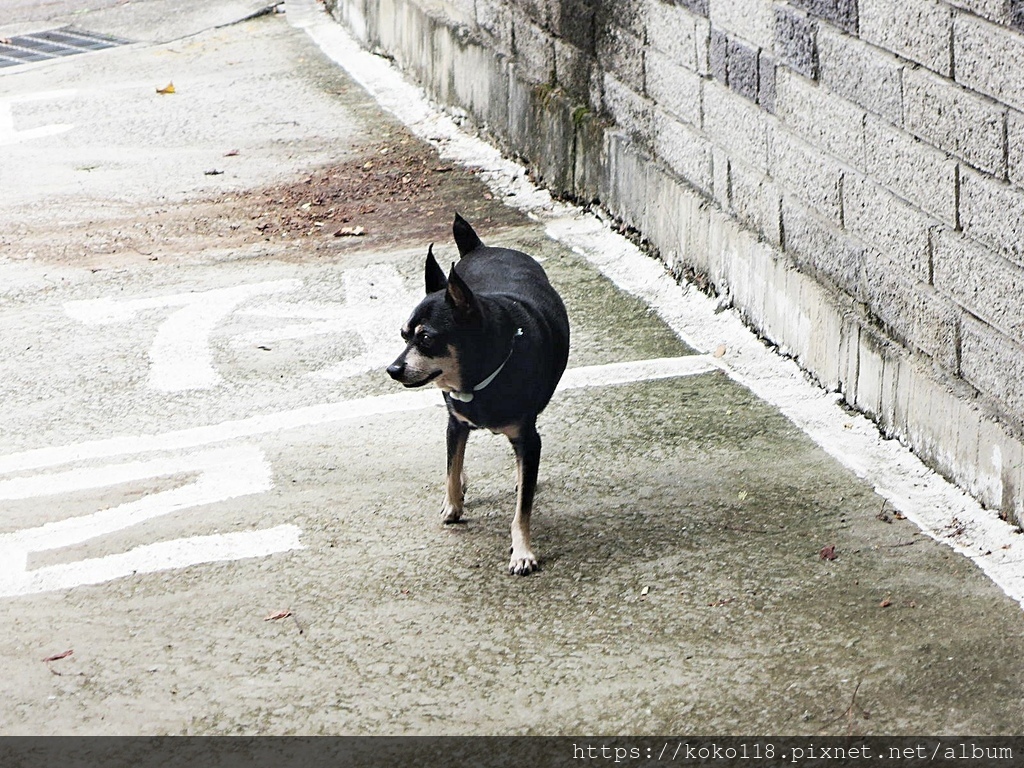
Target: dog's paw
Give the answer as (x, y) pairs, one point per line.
(522, 563)
(450, 513)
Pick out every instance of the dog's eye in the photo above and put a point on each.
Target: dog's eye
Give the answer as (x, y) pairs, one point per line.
(425, 341)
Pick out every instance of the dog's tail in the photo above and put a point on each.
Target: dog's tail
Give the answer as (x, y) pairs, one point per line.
(465, 238)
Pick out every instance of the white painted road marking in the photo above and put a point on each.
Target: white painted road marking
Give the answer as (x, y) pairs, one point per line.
(374, 297)
(10, 135)
(180, 357)
(223, 473)
(345, 410)
(151, 558)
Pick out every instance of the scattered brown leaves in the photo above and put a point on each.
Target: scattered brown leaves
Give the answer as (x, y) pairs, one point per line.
(395, 191)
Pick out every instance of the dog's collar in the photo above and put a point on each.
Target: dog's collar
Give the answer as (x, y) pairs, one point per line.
(465, 397)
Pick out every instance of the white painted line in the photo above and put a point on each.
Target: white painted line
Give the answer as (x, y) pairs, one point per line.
(613, 374)
(151, 558)
(374, 297)
(897, 475)
(362, 408)
(180, 357)
(223, 473)
(10, 135)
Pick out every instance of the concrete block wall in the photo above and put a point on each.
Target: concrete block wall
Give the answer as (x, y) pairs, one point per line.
(849, 173)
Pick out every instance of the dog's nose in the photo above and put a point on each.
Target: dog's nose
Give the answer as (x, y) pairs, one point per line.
(396, 369)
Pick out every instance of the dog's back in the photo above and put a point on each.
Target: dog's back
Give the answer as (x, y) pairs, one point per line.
(516, 278)
(518, 281)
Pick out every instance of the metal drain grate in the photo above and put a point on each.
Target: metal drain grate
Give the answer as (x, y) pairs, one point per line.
(52, 44)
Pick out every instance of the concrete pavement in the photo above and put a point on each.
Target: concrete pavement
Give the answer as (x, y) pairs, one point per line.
(214, 497)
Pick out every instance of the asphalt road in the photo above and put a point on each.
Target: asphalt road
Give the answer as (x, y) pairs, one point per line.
(221, 517)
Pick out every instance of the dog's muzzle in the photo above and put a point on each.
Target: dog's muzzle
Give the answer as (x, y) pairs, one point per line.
(397, 371)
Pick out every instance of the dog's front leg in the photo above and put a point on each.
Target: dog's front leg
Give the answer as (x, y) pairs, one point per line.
(455, 482)
(526, 445)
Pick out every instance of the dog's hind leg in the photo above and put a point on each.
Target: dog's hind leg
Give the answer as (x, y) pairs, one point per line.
(526, 444)
(455, 482)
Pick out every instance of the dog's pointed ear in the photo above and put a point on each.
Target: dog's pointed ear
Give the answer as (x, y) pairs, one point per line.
(461, 299)
(465, 238)
(433, 275)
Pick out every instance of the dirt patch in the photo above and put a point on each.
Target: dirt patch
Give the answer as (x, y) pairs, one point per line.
(398, 191)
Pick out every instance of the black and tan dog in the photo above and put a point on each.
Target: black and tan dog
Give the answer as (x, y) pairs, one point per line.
(494, 336)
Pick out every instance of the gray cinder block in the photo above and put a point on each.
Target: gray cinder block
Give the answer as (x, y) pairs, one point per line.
(993, 213)
(862, 73)
(952, 118)
(981, 281)
(796, 43)
(912, 169)
(989, 59)
(918, 30)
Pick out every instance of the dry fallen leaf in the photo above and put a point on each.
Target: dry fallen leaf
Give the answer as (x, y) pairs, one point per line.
(278, 615)
(231, 153)
(885, 603)
(720, 350)
(60, 656)
(828, 553)
(169, 88)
